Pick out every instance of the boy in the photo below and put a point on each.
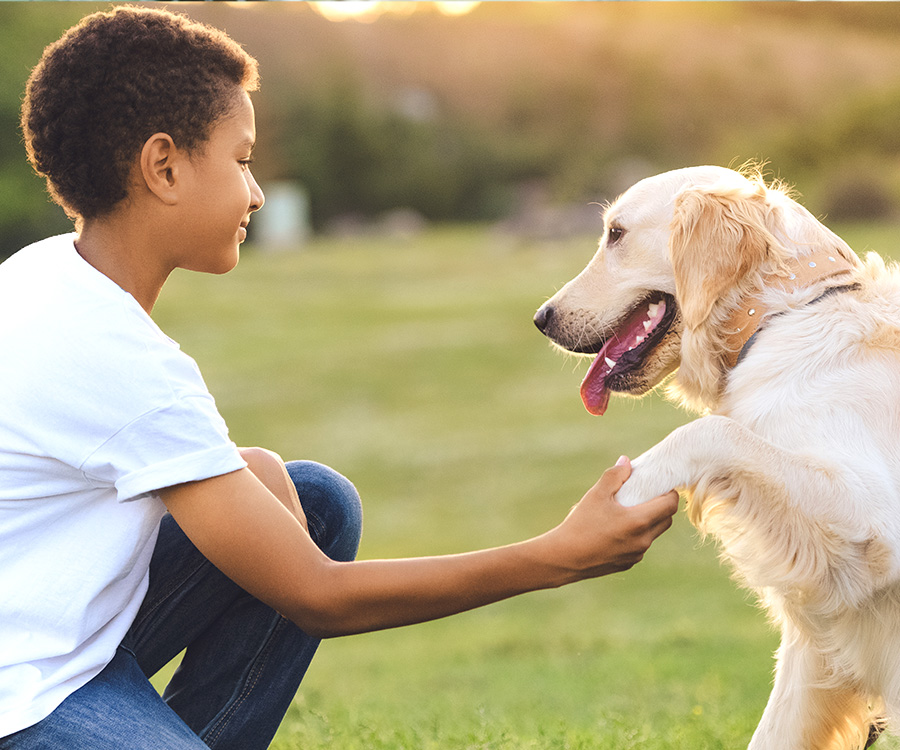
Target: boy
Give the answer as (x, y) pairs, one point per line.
(131, 527)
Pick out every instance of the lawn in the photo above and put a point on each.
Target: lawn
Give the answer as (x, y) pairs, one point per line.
(412, 366)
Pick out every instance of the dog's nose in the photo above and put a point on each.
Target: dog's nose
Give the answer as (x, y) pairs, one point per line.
(542, 318)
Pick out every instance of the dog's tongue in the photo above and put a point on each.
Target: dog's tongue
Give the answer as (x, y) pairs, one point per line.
(594, 391)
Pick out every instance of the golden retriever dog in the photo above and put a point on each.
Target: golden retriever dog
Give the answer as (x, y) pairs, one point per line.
(789, 347)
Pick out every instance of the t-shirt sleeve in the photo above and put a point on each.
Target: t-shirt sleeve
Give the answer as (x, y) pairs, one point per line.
(186, 440)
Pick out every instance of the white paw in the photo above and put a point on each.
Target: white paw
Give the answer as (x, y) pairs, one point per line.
(648, 480)
(634, 491)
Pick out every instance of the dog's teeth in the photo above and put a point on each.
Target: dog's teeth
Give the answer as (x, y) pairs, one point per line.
(653, 309)
(639, 340)
(610, 363)
(648, 325)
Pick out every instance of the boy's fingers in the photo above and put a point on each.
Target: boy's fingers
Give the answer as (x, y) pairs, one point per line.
(661, 509)
(614, 477)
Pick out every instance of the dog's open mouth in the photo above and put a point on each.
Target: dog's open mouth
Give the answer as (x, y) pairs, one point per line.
(625, 350)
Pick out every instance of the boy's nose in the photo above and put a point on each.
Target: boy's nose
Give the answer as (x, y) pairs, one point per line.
(257, 198)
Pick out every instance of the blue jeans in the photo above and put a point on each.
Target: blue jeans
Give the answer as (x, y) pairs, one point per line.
(243, 662)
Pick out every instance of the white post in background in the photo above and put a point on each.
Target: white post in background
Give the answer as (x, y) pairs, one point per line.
(283, 223)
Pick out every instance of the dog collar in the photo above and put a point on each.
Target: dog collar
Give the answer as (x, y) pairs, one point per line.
(801, 272)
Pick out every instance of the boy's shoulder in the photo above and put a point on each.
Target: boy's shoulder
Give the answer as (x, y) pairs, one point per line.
(50, 294)
(40, 265)
(38, 252)
(73, 337)
(49, 276)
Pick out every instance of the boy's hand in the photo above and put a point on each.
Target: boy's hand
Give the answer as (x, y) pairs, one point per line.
(600, 536)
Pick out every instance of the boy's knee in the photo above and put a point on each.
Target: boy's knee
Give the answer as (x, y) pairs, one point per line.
(332, 506)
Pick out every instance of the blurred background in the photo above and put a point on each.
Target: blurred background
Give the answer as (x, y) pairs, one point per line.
(387, 116)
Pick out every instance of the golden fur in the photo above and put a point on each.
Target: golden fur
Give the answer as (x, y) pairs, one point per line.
(795, 465)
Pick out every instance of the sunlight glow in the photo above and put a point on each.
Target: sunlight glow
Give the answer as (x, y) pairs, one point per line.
(370, 10)
(457, 7)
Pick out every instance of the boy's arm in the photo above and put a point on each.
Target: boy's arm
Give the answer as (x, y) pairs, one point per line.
(270, 470)
(256, 541)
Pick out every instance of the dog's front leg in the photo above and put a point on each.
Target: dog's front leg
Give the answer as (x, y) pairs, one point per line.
(677, 461)
(716, 455)
(804, 714)
(776, 513)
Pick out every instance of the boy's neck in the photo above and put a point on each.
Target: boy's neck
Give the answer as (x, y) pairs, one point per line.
(131, 257)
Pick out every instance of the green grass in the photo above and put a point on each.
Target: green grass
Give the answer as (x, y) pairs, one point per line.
(413, 367)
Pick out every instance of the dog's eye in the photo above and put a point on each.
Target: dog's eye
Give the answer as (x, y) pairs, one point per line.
(613, 235)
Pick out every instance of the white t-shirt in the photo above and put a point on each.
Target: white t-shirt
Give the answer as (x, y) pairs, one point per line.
(98, 409)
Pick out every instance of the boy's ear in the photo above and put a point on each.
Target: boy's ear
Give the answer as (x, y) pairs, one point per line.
(159, 166)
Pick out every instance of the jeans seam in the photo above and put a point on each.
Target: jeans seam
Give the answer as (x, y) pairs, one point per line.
(249, 684)
(315, 523)
(162, 597)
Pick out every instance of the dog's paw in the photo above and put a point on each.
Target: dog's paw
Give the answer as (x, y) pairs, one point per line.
(648, 480)
(628, 495)
(636, 490)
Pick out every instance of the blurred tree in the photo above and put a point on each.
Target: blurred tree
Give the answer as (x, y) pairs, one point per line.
(849, 156)
(26, 212)
(356, 156)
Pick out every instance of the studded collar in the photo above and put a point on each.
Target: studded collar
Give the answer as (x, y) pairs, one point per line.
(802, 272)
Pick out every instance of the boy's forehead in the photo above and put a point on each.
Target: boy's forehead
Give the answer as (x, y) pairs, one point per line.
(240, 123)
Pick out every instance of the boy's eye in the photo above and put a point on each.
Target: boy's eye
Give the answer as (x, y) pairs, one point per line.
(245, 162)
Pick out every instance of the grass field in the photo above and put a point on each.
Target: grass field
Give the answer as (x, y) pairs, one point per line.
(413, 367)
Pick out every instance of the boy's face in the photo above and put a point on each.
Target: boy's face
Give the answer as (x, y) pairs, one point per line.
(221, 193)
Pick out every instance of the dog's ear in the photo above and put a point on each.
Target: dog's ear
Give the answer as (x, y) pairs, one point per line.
(718, 236)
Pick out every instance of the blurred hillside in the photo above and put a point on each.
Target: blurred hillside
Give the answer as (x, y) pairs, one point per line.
(458, 118)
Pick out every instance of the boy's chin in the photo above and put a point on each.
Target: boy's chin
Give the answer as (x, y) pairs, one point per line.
(220, 263)
(228, 264)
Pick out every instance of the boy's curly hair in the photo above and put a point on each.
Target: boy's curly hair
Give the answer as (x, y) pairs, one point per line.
(111, 82)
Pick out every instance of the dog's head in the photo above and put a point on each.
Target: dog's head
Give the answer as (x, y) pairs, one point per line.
(678, 253)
